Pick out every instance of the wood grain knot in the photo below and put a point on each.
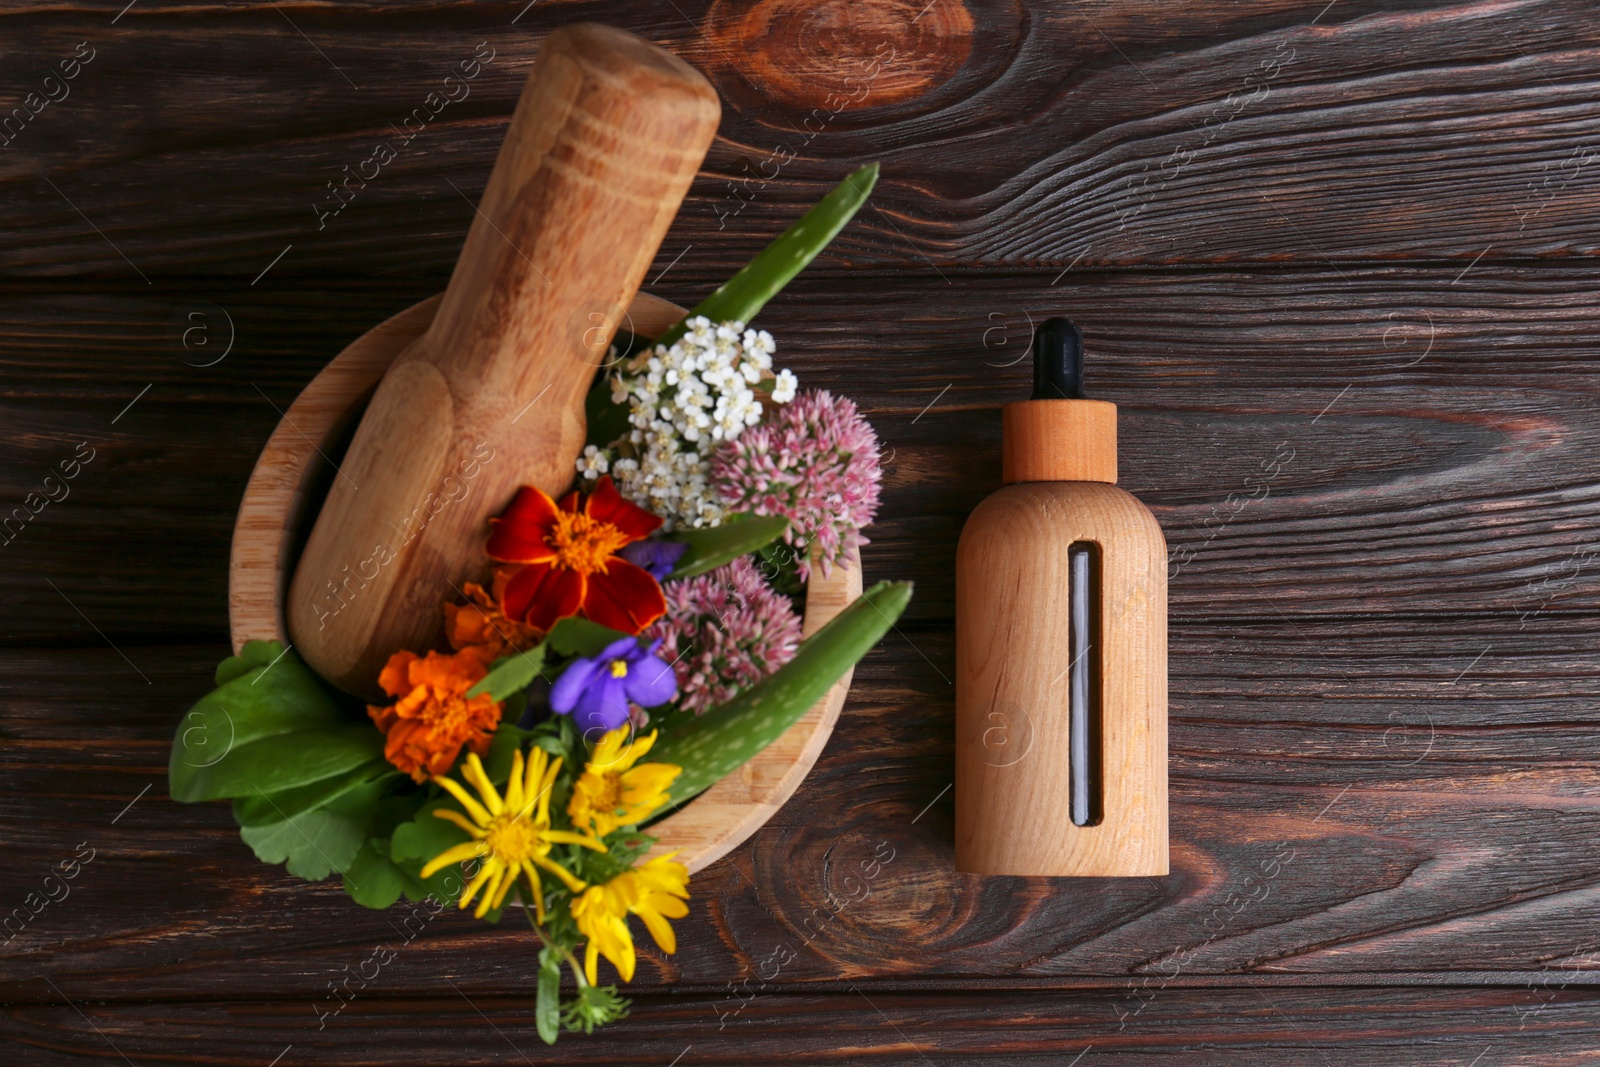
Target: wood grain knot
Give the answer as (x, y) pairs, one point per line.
(842, 55)
(850, 889)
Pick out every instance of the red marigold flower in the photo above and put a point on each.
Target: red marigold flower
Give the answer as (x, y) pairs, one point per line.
(570, 561)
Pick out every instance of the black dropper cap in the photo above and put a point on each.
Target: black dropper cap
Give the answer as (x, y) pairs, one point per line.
(1057, 361)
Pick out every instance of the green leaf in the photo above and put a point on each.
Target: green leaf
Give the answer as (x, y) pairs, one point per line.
(511, 674)
(711, 548)
(573, 636)
(592, 1006)
(426, 835)
(284, 761)
(724, 738)
(373, 880)
(413, 844)
(779, 564)
(313, 844)
(549, 736)
(607, 420)
(547, 1009)
(503, 747)
(747, 292)
(274, 698)
(260, 809)
(254, 654)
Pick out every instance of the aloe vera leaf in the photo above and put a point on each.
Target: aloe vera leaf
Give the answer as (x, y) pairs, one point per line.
(746, 293)
(724, 738)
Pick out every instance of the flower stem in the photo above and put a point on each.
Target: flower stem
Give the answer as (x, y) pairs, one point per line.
(548, 942)
(577, 972)
(529, 913)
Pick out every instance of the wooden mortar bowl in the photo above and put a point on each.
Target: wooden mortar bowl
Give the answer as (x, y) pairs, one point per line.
(292, 475)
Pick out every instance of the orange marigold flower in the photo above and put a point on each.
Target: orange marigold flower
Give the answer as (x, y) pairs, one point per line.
(569, 552)
(480, 624)
(434, 717)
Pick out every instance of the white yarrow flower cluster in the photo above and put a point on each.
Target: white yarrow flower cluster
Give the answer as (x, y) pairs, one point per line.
(683, 401)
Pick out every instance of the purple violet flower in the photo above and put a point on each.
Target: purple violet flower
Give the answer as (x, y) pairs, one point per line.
(657, 557)
(596, 691)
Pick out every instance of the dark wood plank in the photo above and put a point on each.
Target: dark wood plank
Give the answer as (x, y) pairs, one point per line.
(1377, 482)
(1546, 1023)
(1355, 797)
(1312, 442)
(1012, 132)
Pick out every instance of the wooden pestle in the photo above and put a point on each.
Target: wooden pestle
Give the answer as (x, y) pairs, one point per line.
(608, 134)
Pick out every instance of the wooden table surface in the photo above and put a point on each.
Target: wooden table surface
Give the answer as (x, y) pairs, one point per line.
(1335, 262)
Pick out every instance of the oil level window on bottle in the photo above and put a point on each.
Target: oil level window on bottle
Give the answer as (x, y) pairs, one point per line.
(1083, 682)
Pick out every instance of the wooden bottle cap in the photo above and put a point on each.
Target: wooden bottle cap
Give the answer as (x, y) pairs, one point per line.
(1059, 441)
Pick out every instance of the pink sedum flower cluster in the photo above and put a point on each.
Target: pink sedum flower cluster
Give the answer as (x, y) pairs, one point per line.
(724, 632)
(815, 462)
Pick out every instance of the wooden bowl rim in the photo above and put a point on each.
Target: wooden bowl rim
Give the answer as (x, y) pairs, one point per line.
(702, 832)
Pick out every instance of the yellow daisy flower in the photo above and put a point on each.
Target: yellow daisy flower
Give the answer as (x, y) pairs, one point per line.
(655, 892)
(612, 791)
(511, 835)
